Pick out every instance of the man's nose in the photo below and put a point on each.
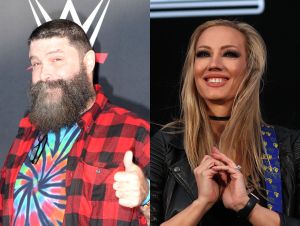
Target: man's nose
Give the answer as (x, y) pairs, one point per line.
(46, 72)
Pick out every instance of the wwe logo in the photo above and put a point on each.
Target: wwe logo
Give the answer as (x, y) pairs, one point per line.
(69, 8)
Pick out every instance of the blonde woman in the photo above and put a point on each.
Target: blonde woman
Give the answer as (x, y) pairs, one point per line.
(220, 164)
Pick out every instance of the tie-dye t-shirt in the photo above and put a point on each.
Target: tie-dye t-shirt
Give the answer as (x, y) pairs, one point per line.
(39, 193)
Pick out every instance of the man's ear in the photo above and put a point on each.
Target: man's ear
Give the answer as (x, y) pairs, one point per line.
(89, 61)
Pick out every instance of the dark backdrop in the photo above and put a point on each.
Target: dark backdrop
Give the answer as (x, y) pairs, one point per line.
(280, 97)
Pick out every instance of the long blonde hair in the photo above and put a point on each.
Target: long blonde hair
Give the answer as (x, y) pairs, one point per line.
(241, 139)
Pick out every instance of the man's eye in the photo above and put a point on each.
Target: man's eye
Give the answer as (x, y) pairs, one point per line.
(34, 65)
(57, 59)
(201, 54)
(232, 54)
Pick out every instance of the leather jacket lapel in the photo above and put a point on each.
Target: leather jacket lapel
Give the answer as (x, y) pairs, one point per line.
(183, 174)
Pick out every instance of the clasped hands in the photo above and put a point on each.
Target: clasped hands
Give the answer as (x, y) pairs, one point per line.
(217, 177)
(131, 185)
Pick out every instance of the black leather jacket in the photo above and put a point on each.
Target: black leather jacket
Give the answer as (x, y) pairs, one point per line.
(173, 185)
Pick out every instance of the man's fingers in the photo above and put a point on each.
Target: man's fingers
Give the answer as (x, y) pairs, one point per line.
(121, 176)
(125, 176)
(128, 203)
(124, 186)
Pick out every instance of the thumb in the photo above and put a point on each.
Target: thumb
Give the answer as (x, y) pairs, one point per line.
(129, 165)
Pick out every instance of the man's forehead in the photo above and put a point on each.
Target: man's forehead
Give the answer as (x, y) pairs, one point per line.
(50, 45)
(48, 41)
(55, 51)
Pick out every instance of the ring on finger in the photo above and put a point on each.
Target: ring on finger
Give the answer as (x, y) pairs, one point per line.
(238, 168)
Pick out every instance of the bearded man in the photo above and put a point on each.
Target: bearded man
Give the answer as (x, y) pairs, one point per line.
(77, 159)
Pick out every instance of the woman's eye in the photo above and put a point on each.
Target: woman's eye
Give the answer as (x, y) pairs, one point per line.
(201, 54)
(57, 59)
(232, 54)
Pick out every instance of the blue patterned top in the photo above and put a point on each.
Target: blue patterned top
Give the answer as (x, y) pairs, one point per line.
(271, 168)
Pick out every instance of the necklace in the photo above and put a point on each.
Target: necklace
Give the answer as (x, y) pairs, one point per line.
(217, 118)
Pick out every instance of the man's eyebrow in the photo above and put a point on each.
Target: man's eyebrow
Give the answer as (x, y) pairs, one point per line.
(48, 53)
(55, 51)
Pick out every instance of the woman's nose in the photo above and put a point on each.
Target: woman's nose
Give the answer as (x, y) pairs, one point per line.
(215, 63)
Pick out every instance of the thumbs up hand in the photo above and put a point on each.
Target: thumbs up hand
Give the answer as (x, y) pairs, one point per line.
(131, 185)
(129, 165)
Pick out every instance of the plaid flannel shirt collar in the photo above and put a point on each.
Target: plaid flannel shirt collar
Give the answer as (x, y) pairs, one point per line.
(89, 117)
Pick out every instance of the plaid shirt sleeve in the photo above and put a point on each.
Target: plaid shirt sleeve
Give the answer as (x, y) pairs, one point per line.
(15, 158)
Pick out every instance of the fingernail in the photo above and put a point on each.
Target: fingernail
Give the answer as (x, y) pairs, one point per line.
(216, 149)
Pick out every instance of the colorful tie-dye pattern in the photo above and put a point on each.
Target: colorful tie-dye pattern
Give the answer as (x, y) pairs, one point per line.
(39, 192)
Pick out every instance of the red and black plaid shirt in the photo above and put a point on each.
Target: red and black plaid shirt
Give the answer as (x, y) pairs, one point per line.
(107, 132)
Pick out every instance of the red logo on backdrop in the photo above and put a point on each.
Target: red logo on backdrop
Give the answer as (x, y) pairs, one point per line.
(69, 8)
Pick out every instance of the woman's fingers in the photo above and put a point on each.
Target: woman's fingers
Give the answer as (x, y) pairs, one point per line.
(208, 162)
(230, 170)
(222, 157)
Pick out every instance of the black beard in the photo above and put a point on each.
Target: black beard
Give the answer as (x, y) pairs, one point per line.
(59, 103)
